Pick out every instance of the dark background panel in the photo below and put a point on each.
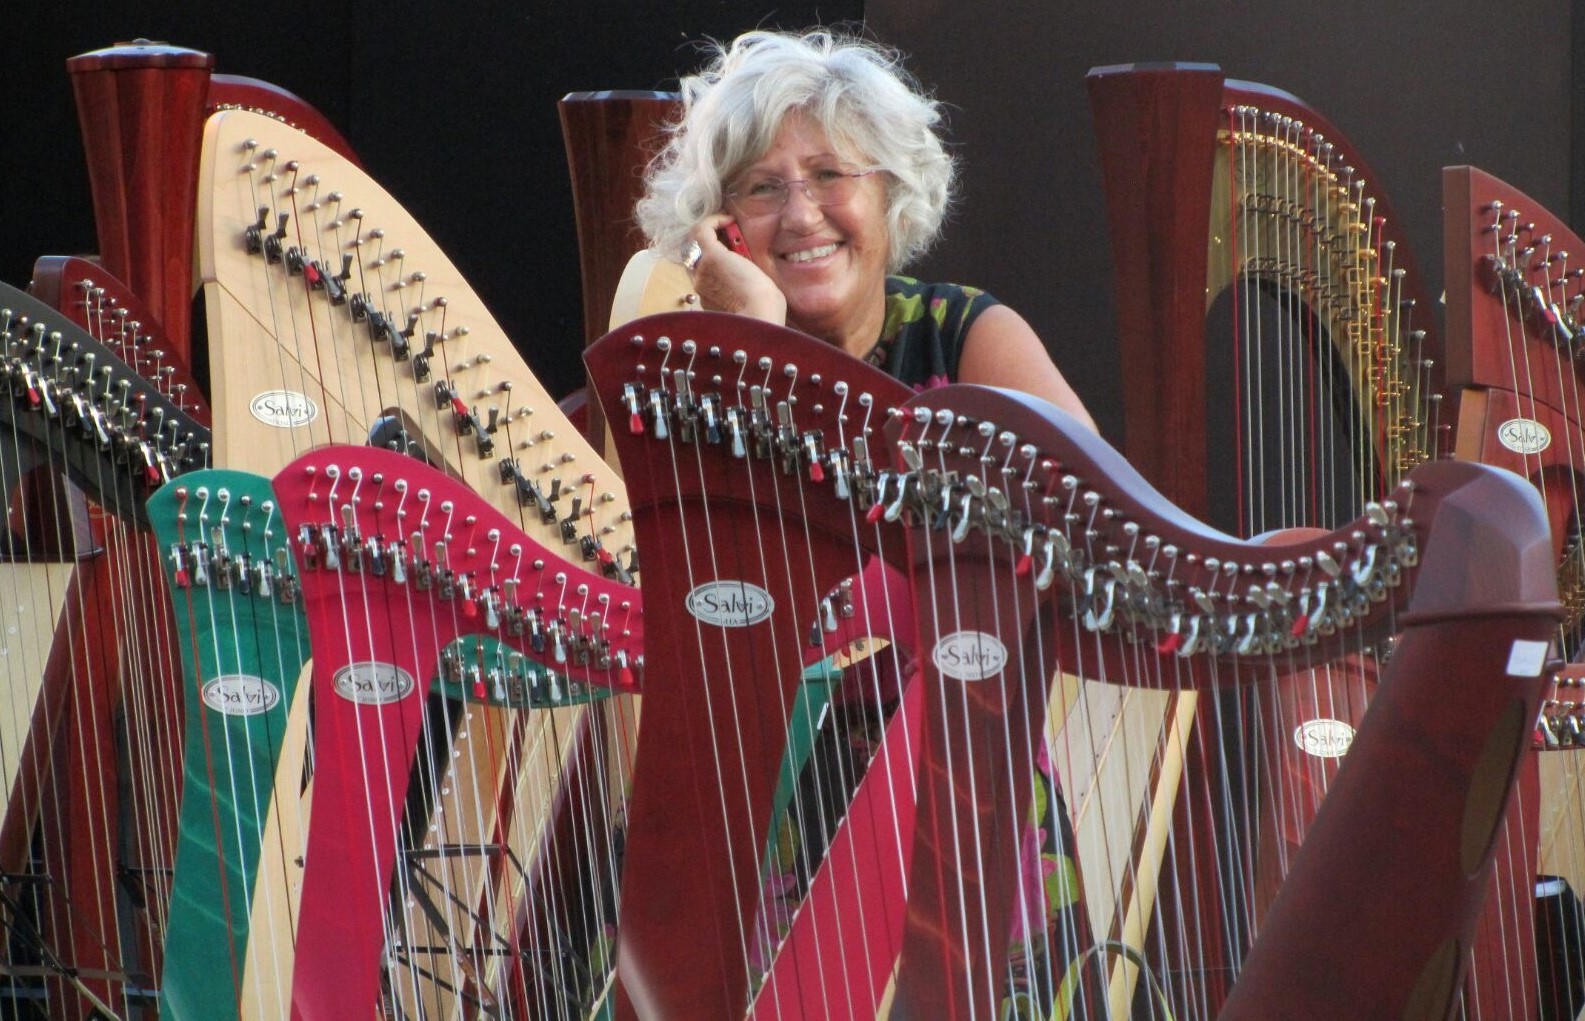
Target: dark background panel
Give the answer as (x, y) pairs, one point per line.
(1413, 87)
(453, 109)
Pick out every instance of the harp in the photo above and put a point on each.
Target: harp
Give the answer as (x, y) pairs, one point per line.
(1258, 266)
(1512, 322)
(692, 407)
(240, 630)
(94, 918)
(404, 571)
(1223, 190)
(335, 319)
(758, 468)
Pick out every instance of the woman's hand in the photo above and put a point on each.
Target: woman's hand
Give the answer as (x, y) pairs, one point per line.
(728, 282)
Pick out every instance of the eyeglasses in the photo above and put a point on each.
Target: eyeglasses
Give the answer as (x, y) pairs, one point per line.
(768, 196)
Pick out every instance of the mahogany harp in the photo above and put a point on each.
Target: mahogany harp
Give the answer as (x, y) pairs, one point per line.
(758, 467)
(1512, 335)
(1129, 579)
(762, 565)
(1259, 269)
(1218, 190)
(90, 814)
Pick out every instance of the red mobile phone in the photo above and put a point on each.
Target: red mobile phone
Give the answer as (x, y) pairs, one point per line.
(733, 239)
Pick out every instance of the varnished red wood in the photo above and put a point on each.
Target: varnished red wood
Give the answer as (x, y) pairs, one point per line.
(610, 137)
(1397, 924)
(1156, 132)
(699, 813)
(238, 92)
(1156, 135)
(141, 107)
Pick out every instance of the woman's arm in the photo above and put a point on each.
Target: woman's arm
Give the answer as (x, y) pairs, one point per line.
(1003, 350)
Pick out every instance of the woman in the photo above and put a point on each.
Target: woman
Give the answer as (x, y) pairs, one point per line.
(822, 152)
(819, 149)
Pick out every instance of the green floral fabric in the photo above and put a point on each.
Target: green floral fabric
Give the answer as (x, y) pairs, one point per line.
(926, 325)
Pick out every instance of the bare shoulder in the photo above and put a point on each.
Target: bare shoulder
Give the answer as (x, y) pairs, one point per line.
(1003, 350)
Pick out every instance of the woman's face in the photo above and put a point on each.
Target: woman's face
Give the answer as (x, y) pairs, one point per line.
(828, 260)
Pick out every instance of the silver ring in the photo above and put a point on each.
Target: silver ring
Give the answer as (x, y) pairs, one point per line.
(691, 256)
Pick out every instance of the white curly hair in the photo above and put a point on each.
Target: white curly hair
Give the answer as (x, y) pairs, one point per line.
(872, 110)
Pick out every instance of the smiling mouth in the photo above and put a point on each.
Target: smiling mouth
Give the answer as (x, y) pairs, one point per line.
(810, 254)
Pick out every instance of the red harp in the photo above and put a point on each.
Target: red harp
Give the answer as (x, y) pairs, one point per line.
(1512, 341)
(760, 469)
